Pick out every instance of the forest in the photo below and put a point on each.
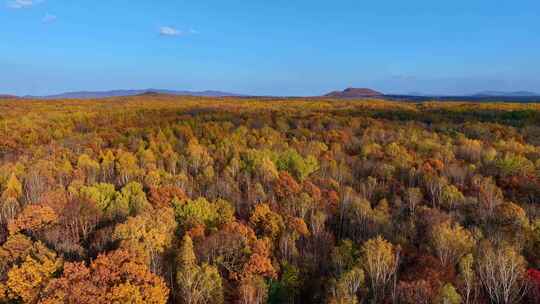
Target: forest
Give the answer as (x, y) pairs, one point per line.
(192, 200)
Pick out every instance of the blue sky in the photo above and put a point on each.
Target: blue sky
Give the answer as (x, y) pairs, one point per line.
(278, 47)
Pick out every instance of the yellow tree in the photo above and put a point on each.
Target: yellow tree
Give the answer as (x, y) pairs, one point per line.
(266, 221)
(467, 277)
(197, 284)
(25, 281)
(380, 260)
(126, 167)
(151, 233)
(347, 286)
(89, 166)
(451, 242)
(9, 201)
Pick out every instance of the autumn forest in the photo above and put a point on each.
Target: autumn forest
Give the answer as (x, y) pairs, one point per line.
(194, 200)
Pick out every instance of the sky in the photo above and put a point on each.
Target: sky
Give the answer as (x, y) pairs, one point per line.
(278, 47)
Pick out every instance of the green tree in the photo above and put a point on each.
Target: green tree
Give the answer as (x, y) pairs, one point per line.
(133, 196)
(190, 213)
(448, 295)
(105, 197)
(294, 163)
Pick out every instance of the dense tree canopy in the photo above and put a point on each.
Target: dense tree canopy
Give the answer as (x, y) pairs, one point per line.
(163, 199)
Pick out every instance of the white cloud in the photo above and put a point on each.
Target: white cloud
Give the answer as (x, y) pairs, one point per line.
(49, 18)
(173, 32)
(169, 31)
(23, 3)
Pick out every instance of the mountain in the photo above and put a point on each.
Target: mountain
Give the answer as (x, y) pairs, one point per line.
(354, 93)
(5, 96)
(508, 94)
(118, 93)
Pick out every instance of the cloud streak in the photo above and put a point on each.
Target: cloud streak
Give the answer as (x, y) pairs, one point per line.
(169, 31)
(18, 4)
(174, 32)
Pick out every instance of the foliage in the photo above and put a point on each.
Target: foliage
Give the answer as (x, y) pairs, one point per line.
(176, 199)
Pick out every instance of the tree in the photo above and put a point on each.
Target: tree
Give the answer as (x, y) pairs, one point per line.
(287, 288)
(512, 164)
(415, 292)
(89, 166)
(533, 277)
(116, 277)
(266, 222)
(489, 196)
(347, 286)
(33, 219)
(105, 198)
(344, 257)
(134, 197)
(467, 277)
(511, 220)
(107, 166)
(380, 260)
(450, 242)
(253, 290)
(151, 232)
(451, 196)
(27, 280)
(163, 196)
(434, 186)
(295, 164)
(13, 188)
(191, 213)
(197, 156)
(9, 199)
(259, 262)
(502, 273)
(413, 197)
(448, 295)
(286, 186)
(126, 167)
(197, 284)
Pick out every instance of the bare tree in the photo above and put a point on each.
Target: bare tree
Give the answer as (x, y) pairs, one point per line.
(502, 274)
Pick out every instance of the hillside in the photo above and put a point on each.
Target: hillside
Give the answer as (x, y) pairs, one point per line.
(354, 93)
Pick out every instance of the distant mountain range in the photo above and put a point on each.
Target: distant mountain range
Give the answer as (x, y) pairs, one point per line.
(351, 93)
(119, 93)
(365, 92)
(508, 94)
